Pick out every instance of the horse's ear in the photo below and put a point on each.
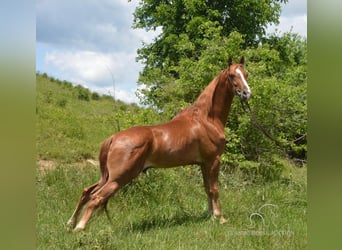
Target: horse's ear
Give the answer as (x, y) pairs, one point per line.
(230, 61)
(242, 60)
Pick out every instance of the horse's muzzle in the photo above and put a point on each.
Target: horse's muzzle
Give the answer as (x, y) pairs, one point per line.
(243, 94)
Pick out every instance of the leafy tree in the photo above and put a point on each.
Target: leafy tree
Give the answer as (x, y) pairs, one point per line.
(197, 37)
(169, 93)
(279, 84)
(191, 30)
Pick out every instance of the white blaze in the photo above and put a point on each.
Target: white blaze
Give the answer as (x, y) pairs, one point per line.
(243, 80)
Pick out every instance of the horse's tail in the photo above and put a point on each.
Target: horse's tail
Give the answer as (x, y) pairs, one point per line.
(103, 158)
(103, 163)
(104, 170)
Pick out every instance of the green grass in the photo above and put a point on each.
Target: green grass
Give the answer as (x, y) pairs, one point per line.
(163, 209)
(166, 209)
(71, 129)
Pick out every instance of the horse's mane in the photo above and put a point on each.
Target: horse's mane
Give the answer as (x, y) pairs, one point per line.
(204, 101)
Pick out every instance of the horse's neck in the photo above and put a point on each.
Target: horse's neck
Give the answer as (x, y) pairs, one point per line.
(215, 101)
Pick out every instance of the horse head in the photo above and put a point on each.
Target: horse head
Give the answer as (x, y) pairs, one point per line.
(238, 79)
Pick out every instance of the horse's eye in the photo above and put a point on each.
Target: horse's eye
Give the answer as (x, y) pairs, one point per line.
(231, 75)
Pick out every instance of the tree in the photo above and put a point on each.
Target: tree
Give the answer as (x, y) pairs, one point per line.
(189, 27)
(278, 79)
(197, 38)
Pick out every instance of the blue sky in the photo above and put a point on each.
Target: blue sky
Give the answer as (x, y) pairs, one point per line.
(86, 42)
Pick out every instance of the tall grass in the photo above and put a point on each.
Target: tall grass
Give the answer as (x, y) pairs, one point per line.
(164, 208)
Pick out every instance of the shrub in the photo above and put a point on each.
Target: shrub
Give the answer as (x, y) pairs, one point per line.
(95, 96)
(83, 93)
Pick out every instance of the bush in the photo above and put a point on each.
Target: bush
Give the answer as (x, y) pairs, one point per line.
(95, 96)
(83, 93)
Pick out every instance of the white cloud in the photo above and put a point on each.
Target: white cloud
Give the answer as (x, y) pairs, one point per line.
(84, 42)
(296, 24)
(294, 8)
(95, 70)
(293, 18)
(87, 25)
(85, 65)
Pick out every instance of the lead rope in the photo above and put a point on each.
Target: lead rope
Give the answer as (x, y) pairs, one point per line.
(255, 122)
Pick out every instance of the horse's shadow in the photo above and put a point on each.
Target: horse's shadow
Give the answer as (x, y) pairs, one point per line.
(159, 222)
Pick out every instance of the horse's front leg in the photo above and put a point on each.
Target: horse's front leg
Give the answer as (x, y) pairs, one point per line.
(210, 173)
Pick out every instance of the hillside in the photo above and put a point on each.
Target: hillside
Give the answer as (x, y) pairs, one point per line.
(72, 122)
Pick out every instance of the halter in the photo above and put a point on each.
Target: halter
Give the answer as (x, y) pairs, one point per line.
(241, 93)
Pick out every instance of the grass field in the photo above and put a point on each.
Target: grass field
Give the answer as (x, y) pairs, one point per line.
(162, 209)
(166, 209)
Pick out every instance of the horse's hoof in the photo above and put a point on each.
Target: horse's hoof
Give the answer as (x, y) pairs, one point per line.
(223, 220)
(77, 229)
(70, 225)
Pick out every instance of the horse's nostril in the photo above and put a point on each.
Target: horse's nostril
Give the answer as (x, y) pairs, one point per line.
(244, 94)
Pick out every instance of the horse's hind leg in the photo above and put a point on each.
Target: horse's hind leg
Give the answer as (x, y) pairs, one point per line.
(85, 197)
(97, 199)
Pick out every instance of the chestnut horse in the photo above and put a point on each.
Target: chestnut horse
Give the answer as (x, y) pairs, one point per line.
(194, 136)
